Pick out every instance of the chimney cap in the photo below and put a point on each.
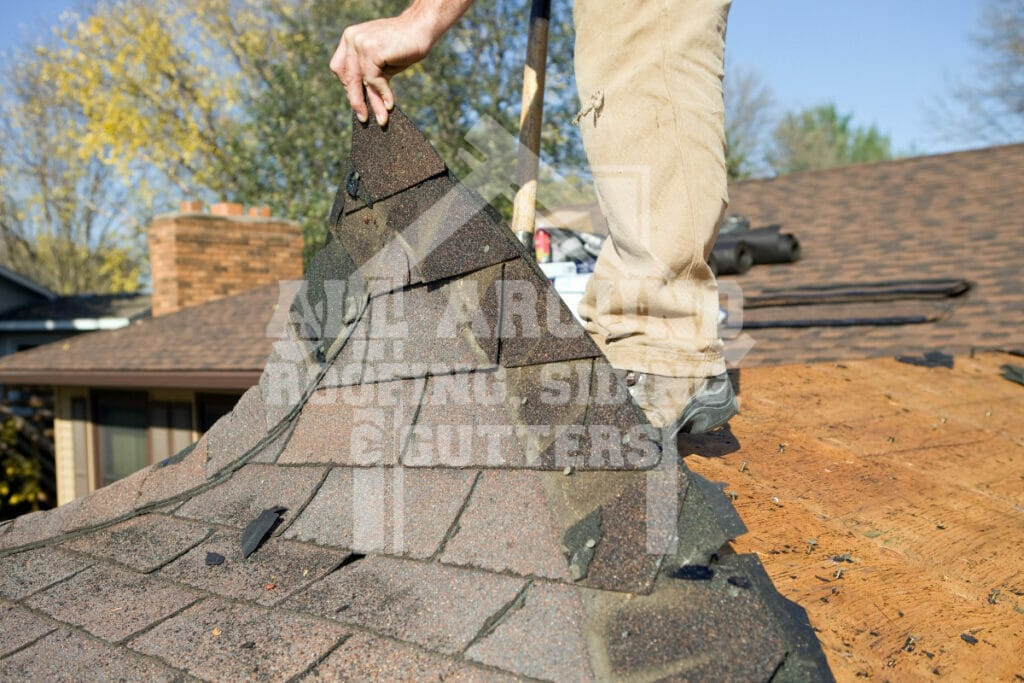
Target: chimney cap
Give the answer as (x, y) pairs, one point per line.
(190, 206)
(226, 209)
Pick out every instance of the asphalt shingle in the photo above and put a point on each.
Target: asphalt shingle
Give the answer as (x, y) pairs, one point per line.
(399, 511)
(143, 543)
(508, 527)
(365, 425)
(251, 490)
(364, 657)
(66, 655)
(525, 531)
(30, 571)
(19, 627)
(218, 640)
(543, 637)
(279, 569)
(438, 607)
(111, 603)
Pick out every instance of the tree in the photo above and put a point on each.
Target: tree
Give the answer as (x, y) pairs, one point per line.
(749, 117)
(990, 108)
(64, 221)
(821, 137)
(233, 99)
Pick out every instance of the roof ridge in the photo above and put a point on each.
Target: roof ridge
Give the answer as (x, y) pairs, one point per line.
(897, 161)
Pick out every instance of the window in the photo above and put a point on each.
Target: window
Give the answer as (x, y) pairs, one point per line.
(212, 407)
(132, 431)
(121, 434)
(170, 428)
(79, 437)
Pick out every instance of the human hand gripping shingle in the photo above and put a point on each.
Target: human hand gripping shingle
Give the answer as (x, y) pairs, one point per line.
(369, 54)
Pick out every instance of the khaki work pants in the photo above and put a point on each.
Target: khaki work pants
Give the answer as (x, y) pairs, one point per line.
(650, 75)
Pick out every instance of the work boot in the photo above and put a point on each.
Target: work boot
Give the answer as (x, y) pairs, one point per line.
(693, 405)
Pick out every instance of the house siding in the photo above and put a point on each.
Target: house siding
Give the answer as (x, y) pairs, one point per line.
(75, 444)
(73, 469)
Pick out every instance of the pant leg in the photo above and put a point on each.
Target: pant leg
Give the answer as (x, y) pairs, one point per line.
(656, 144)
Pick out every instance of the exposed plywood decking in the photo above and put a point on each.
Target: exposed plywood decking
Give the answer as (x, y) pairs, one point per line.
(918, 475)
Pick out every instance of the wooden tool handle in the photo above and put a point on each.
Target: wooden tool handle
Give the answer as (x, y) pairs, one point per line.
(524, 210)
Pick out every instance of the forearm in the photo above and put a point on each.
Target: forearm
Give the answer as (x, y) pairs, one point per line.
(437, 16)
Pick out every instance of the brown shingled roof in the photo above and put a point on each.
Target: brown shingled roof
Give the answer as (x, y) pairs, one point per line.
(221, 344)
(955, 216)
(566, 544)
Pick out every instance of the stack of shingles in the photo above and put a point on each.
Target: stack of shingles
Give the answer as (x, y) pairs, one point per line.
(467, 492)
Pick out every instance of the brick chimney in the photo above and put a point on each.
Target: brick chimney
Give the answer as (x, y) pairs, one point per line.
(196, 257)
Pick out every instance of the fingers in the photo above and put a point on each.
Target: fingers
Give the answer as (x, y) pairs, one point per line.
(356, 70)
(382, 99)
(345, 65)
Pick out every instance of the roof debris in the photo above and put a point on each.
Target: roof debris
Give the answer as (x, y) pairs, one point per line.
(259, 528)
(931, 359)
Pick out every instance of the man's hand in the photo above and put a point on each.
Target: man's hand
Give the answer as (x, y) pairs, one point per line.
(369, 54)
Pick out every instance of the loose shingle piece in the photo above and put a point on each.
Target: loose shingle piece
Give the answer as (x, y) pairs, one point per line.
(438, 476)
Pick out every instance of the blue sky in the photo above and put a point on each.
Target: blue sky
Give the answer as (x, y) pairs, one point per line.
(881, 60)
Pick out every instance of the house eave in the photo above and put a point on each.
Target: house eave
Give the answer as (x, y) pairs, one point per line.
(135, 379)
(70, 325)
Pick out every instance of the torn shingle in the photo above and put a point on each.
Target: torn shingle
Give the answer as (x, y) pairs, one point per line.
(257, 530)
(519, 519)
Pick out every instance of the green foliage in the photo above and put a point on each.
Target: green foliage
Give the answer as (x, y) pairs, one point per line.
(821, 137)
(233, 99)
(26, 458)
(64, 221)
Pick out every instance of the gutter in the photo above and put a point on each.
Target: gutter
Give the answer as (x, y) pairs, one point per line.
(135, 379)
(73, 325)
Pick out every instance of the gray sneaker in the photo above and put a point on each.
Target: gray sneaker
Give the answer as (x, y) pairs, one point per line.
(684, 404)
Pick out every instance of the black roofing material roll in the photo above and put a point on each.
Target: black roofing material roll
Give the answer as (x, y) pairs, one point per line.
(765, 245)
(733, 258)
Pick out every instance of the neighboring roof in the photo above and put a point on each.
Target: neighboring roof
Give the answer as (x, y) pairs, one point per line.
(26, 283)
(222, 344)
(958, 216)
(83, 312)
(566, 545)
